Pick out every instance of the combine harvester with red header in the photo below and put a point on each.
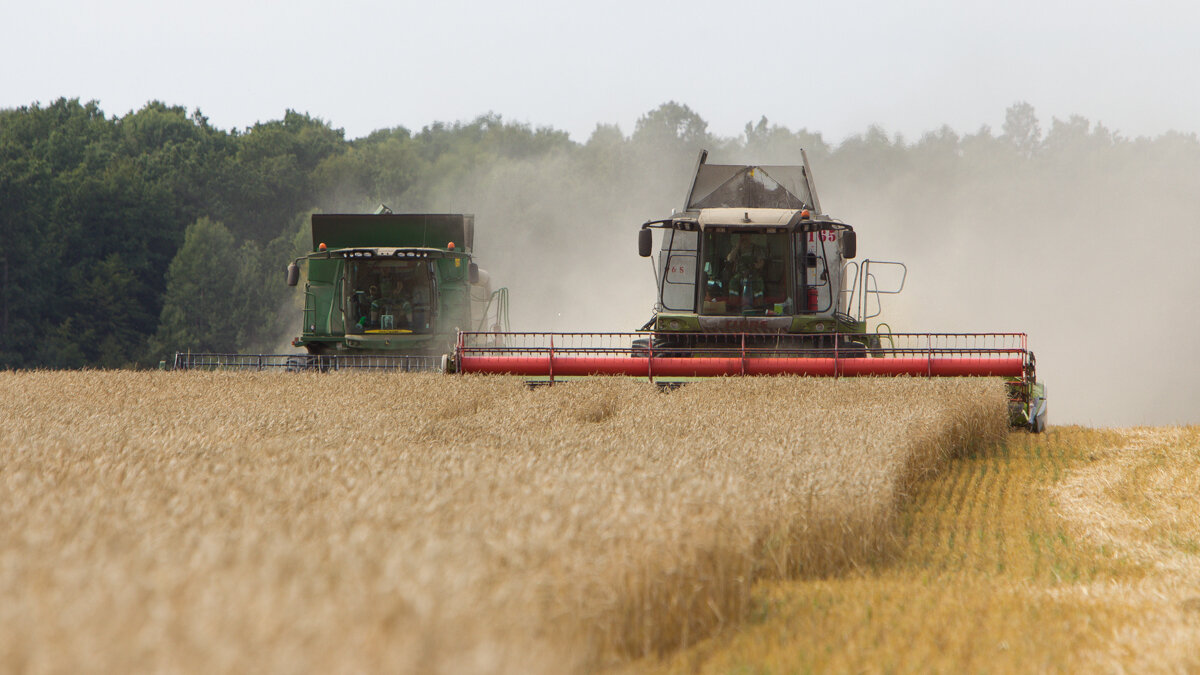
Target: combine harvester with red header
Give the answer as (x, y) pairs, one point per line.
(753, 278)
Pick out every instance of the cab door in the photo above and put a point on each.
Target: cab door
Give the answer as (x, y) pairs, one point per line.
(677, 271)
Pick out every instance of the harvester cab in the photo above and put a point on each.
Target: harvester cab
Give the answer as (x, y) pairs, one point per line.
(387, 283)
(752, 252)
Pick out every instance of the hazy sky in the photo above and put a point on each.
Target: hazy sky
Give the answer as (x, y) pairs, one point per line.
(832, 67)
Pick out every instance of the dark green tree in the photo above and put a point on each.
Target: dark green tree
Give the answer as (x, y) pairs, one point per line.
(272, 173)
(201, 290)
(108, 313)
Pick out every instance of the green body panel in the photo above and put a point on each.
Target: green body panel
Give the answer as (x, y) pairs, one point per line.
(322, 309)
(454, 295)
(673, 322)
(686, 322)
(823, 324)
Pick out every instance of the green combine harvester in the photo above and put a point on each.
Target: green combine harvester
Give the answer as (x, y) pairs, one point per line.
(754, 278)
(383, 291)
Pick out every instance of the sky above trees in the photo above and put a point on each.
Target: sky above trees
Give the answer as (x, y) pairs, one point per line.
(833, 68)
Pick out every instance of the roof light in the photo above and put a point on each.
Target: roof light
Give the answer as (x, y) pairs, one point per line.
(450, 246)
(321, 246)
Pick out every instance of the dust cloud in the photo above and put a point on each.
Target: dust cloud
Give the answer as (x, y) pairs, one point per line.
(1093, 259)
(561, 233)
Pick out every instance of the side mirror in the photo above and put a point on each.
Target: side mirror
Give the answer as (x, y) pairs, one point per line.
(645, 242)
(293, 274)
(849, 244)
(473, 273)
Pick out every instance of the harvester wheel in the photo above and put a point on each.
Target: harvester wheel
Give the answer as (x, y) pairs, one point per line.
(1037, 408)
(674, 350)
(852, 350)
(298, 363)
(1038, 424)
(663, 347)
(640, 348)
(317, 358)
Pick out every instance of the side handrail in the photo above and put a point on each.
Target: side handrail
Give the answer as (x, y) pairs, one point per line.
(498, 299)
(868, 285)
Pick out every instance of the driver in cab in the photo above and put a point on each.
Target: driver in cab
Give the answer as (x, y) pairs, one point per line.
(745, 266)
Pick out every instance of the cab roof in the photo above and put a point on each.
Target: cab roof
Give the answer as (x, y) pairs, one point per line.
(750, 218)
(747, 217)
(750, 186)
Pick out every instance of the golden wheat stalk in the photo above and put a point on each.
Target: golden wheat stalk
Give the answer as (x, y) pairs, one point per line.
(417, 523)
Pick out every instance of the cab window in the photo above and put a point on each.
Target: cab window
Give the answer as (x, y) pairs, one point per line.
(390, 295)
(745, 274)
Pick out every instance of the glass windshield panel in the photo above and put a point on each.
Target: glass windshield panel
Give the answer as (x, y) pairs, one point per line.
(390, 295)
(745, 274)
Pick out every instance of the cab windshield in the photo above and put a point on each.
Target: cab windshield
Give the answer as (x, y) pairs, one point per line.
(745, 273)
(390, 295)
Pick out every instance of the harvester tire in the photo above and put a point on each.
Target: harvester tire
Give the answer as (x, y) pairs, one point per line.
(1038, 424)
(640, 348)
(318, 358)
(852, 350)
(666, 347)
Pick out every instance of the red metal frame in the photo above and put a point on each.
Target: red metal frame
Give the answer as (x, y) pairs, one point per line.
(717, 355)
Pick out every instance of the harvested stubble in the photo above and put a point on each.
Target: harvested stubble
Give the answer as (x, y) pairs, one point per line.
(283, 522)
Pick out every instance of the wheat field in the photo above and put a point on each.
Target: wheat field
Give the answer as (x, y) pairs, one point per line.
(1073, 551)
(217, 522)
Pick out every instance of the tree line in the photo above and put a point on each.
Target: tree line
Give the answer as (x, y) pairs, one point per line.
(126, 238)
